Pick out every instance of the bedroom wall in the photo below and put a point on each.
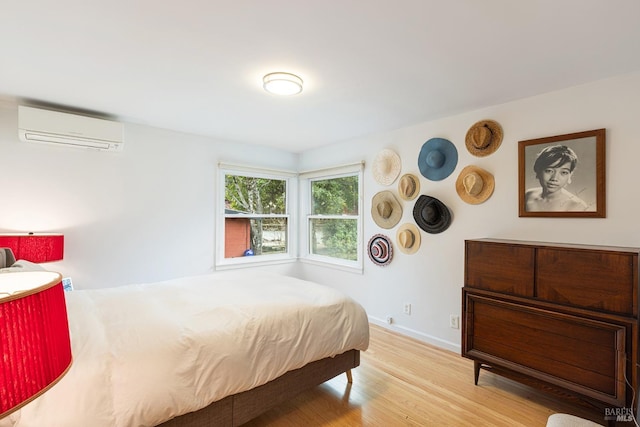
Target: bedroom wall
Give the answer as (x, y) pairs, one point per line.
(142, 215)
(148, 213)
(431, 279)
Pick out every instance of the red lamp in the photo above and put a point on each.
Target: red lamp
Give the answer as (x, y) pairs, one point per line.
(35, 247)
(35, 348)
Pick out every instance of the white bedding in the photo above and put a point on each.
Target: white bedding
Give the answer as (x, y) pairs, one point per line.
(144, 354)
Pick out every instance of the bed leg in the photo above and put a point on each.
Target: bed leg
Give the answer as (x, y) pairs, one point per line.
(349, 377)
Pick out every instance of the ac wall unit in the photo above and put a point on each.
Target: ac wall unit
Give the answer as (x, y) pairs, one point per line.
(64, 129)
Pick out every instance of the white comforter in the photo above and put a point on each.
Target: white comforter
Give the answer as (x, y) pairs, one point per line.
(144, 354)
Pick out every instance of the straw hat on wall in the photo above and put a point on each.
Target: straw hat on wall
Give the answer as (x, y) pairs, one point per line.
(408, 186)
(474, 185)
(386, 211)
(408, 238)
(483, 138)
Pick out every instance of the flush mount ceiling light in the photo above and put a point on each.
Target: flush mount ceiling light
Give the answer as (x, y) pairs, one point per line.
(282, 83)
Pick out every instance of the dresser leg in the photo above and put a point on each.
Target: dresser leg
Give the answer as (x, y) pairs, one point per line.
(476, 371)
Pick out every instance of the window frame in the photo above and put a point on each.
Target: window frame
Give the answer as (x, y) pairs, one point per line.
(221, 262)
(305, 181)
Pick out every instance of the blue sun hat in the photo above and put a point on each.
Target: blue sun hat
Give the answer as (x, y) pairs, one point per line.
(438, 159)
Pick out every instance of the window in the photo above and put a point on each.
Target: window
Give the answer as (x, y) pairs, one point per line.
(255, 225)
(333, 226)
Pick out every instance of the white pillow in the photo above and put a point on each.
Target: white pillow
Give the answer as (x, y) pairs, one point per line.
(22, 265)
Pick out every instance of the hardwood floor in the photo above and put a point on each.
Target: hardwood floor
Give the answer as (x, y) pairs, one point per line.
(404, 382)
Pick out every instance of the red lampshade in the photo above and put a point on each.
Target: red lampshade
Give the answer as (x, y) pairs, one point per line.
(35, 247)
(35, 349)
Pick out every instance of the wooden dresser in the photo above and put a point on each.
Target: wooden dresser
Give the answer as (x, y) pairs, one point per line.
(560, 316)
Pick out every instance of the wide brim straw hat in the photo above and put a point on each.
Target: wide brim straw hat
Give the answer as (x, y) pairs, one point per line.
(408, 238)
(437, 159)
(386, 167)
(475, 185)
(386, 211)
(380, 250)
(484, 138)
(408, 186)
(431, 214)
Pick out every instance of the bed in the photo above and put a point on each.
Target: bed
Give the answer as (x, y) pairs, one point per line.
(211, 350)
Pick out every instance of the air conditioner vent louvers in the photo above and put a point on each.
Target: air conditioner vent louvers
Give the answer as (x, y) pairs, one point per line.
(64, 129)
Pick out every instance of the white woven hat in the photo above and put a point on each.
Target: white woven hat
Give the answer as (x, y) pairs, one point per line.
(386, 167)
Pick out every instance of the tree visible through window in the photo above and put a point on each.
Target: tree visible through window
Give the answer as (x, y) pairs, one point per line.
(333, 222)
(256, 217)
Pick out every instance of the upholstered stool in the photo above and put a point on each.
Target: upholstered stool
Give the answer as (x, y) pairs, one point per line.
(566, 420)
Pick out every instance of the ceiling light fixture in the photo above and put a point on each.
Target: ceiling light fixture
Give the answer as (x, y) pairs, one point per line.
(282, 84)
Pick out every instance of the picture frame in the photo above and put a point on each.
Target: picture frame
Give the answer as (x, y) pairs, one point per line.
(563, 176)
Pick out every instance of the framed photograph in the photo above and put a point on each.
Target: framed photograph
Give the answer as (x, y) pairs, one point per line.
(563, 176)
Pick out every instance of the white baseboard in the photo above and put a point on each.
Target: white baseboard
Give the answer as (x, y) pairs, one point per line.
(420, 336)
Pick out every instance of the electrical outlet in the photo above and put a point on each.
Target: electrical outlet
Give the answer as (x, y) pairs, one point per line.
(454, 321)
(407, 308)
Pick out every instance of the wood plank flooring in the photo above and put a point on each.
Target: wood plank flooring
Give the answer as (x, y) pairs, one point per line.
(405, 382)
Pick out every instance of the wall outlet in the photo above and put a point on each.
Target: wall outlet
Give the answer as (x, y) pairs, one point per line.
(389, 320)
(454, 321)
(407, 308)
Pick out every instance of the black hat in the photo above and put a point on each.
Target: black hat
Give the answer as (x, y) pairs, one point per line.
(431, 214)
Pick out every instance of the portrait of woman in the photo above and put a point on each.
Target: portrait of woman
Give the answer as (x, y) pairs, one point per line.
(560, 176)
(554, 168)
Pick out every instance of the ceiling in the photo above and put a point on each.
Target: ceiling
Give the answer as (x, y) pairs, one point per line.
(369, 66)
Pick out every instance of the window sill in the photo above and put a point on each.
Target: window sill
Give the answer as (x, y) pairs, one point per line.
(333, 265)
(248, 262)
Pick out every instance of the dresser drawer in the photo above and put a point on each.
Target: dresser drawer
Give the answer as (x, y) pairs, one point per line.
(500, 267)
(576, 353)
(597, 280)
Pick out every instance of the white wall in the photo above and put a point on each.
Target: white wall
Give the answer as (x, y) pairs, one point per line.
(142, 215)
(148, 213)
(431, 279)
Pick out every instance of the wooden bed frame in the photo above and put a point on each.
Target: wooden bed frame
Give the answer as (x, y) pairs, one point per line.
(240, 408)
